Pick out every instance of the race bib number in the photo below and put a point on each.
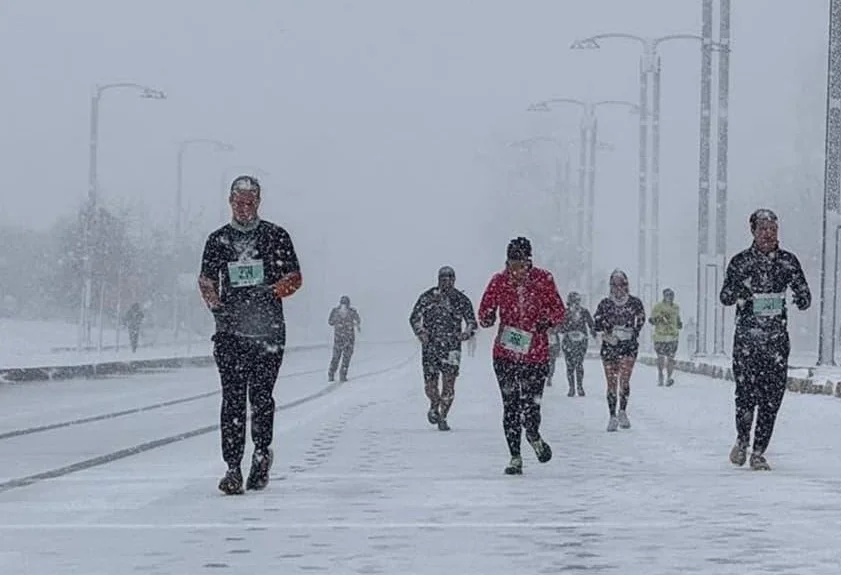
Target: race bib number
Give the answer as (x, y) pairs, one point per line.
(245, 273)
(623, 333)
(577, 335)
(768, 304)
(453, 358)
(516, 340)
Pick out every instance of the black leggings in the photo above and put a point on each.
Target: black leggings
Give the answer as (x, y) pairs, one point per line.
(574, 355)
(760, 370)
(248, 369)
(521, 385)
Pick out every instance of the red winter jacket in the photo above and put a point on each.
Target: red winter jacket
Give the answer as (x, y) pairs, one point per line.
(531, 307)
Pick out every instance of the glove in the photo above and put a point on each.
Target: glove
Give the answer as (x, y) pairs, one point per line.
(423, 337)
(542, 325)
(287, 285)
(488, 320)
(465, 335)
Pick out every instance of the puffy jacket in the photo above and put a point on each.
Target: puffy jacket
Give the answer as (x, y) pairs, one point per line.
(526, 312)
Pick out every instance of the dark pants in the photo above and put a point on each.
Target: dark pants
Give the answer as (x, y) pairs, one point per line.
(342, 351)
(760, 368)
(574, 353)
(521, 385)
(248, 369)
(133, 336)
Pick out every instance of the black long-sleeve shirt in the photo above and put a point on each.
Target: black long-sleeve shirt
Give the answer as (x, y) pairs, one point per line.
(756, 283)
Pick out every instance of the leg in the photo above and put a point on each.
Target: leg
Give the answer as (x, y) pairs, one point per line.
(580, 354)
(626, 368)
(745, 398)
(264, 367)
(661, 362)
(770, 390)
(510, 390)
(347, 352)
(334, 361)
(532, 378)
(569, 358)
(611, 372)
(228, 355)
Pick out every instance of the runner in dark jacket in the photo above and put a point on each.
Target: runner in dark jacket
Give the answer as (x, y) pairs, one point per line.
(756, 282)
(346, 322)
(619, 318)
(576, 328)
(441, 319)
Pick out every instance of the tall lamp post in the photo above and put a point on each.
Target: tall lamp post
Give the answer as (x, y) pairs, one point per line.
(831, 192)
(92, 208)
(587, 172)
(650, 68)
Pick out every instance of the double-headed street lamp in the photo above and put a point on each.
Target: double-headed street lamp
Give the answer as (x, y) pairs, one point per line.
(93, 195)
(650, 66)
(587, 170)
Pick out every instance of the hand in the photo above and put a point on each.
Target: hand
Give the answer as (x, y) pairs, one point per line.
(543, 325)
(465, 335)
(423, 337)
(488, 320)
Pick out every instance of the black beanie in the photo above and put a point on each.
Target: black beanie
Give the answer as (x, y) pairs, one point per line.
(519, 249)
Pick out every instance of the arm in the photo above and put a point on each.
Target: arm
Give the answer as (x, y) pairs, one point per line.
(736, 286)
(679, 321)
(588, 319)
(600, 320)
(799, 287)
(552, 302)
(488, 304)
(209, 275)
(291, 279)
(358, 320)
(416, 317)
(639, 317)
(469, 318)
(332, 319)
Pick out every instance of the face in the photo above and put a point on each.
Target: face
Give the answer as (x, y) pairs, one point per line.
(446, 282)
(517, 268)
(618, 285)
(244, 206)
(765, 235)
(669, 297)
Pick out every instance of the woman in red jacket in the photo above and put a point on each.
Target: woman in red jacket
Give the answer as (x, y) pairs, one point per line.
(529, 305)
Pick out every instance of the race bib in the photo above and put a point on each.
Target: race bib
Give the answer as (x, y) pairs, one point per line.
(516, 340)
(453, 358)
(245, 273)
(768, 304)
(623, 333)
(577, 335)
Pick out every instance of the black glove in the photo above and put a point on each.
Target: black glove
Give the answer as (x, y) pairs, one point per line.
(542, 325)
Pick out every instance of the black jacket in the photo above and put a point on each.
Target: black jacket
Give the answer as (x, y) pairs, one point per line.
(754, 279)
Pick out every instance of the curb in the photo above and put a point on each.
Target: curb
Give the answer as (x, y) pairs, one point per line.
(88, 370)
(794, 384)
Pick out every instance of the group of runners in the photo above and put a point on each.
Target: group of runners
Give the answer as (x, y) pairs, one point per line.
(249, 266)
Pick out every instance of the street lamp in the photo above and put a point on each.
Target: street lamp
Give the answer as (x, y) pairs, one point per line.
(218, 146)
(650, 66)
(587, 172)
(93, 195)
(831, 192)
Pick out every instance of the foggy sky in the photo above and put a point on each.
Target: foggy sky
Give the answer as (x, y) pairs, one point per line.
(383, 122)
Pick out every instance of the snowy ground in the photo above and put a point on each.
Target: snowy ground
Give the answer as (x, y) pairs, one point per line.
(41, 343)
(362, 484)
